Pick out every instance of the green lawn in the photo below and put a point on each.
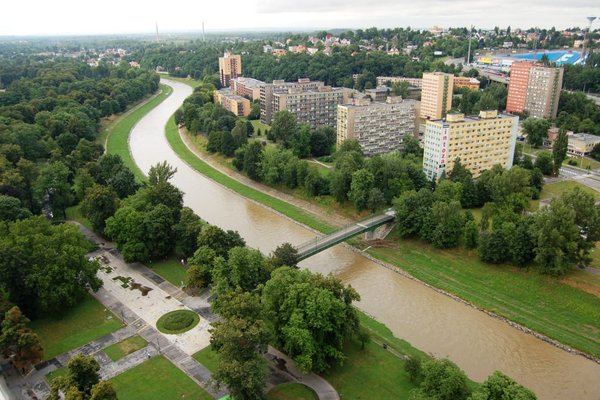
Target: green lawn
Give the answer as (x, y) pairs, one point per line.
(117, 141)
(86, 322)
(539, 302)
(557, 188)
(281, 206)
(125, 347)
(74, 214)
(50, 376)
(291, 391)
(208, 358)
(256, 124)
(170, 269)
(157, 378)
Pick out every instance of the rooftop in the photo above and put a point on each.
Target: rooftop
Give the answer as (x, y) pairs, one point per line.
(249, 82)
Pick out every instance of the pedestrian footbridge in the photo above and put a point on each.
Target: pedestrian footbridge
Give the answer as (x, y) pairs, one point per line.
(319, 244)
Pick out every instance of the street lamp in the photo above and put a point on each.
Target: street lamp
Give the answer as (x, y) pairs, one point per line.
(590, 19)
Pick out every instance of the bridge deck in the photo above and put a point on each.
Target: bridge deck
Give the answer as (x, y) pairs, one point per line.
(319, 244)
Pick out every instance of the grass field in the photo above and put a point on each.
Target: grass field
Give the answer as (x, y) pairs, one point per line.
(117, 133)
(50, 376)
(291, 391)
(74, 214)
(157, 378)
(86, 322)
(208, 358)
(256, 124)
(557, 188)
(170, 269)
(281, 206)
(125, 347)
(539, 302)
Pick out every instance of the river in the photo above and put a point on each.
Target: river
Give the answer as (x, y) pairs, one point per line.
(430, 321)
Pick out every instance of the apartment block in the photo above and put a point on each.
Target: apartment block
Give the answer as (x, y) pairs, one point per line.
(385, 80)
(246, 87)
(480, 142)
(316, 107)
(237, 104)
(436, 95)
(379, 127)
(535, 89)
(380, 93)
(230, 66)
(279, 86)
(466, 82)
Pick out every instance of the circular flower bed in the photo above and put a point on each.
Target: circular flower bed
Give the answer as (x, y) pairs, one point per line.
(177, 321)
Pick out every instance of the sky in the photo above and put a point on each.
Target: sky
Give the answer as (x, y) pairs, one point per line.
(59, 17)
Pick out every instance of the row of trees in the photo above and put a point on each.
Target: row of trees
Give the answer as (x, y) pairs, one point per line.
(443, 380)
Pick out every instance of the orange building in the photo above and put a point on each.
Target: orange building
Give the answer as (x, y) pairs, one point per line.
(517, 86)
(466, 82)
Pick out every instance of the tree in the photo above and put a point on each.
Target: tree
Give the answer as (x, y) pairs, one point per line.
(413, 368)
(241, 339)
(300, 143)
(443, 226)
(83, 372)
(284, 127)
(99, 204)
(559, 150)
(536, 130)
(187, 230)
(443, 380)
(470, 234)
(322, 140)
(215, 141)
(44, 266)
(360, 188)
(18, 341)
(218, 240)
(103, 390)
(228, 144)
(195, 277)
(412, 209)
(556, 238)
(239, 134)
(244, 268)
(160, 172)
(284, 254)
(311, 316)
(544, 162)
(501, 387)
(11, 209)
(410, 145)
(252, 160)
(54, 182)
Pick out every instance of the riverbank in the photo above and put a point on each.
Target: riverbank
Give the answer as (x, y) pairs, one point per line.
(541, 306)
(115, 136)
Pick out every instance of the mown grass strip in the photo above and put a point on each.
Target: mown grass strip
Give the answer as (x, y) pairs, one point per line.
(281, 206)
(117, 141)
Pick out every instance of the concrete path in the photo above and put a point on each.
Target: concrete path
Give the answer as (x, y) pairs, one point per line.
(322, 388)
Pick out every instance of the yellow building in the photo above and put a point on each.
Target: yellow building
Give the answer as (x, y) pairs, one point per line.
(480, 142)
(436, 95)
(466, 82)
(581, 144)
(230, 66)
(237, 104)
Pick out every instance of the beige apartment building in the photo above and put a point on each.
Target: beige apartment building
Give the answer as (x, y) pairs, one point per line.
(230, 66)
(279, 86)
(317, 107)
(436, 95)
(237, 104)
(389, 80)
(480, 142)
(246, 87)
(379, 127)
(466, 82)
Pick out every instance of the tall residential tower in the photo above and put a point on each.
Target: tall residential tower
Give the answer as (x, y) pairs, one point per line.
(535, 89)
(230, 66)
(436, 95)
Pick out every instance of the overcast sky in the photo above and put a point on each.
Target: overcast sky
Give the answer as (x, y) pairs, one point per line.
(43, 17)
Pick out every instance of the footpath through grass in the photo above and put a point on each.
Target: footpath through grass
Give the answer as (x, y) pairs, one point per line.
(117, 141)
(278, 205)
(87, 321)
(542, 303)
(157, 378)
(292, 391)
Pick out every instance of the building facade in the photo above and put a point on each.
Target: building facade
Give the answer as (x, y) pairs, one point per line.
(279, 86)
(436, 95)
(230, 66)
(237, 104)
(379, 127)
(316, 107)
(385, 80)
(535, 89)
(581, 144)
(246, 87)
(480, 142)
(466, 82)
